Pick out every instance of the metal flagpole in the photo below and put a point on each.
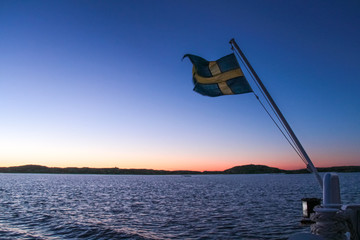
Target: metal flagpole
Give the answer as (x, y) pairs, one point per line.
(281, 116)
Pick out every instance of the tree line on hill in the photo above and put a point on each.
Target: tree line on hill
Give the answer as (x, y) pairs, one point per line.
(245, 169)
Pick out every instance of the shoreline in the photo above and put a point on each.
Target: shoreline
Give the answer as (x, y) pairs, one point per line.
(245, 169)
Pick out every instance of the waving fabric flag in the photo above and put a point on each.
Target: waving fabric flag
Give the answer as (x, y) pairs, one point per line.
(217, 78)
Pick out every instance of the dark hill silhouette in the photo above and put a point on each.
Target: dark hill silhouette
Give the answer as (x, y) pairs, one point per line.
(86, 170)
(245, 169)
(253, 169)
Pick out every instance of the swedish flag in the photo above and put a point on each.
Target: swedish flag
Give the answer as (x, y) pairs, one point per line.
(216, 78)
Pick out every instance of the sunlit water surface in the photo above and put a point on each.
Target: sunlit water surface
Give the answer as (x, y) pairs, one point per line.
(266, 206)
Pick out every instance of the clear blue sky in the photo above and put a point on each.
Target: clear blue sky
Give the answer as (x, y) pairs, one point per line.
(102, 84)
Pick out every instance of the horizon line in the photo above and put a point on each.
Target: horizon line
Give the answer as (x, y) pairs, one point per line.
(177, 169)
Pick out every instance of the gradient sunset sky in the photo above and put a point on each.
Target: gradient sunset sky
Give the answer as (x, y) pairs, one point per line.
(102, 84)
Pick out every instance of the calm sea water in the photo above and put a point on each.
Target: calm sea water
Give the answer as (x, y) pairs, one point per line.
(266, 206)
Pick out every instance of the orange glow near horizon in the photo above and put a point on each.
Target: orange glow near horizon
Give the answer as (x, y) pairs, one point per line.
(61, 153)
(171, 164)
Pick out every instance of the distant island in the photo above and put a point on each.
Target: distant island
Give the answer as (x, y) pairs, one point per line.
(245, 169)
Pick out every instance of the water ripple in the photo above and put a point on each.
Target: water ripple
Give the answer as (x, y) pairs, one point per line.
(40, 206)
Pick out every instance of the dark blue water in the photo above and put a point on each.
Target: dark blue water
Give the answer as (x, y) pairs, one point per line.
(42, 206)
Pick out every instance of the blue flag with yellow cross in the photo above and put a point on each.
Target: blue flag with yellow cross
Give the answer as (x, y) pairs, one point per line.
(216, 78)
